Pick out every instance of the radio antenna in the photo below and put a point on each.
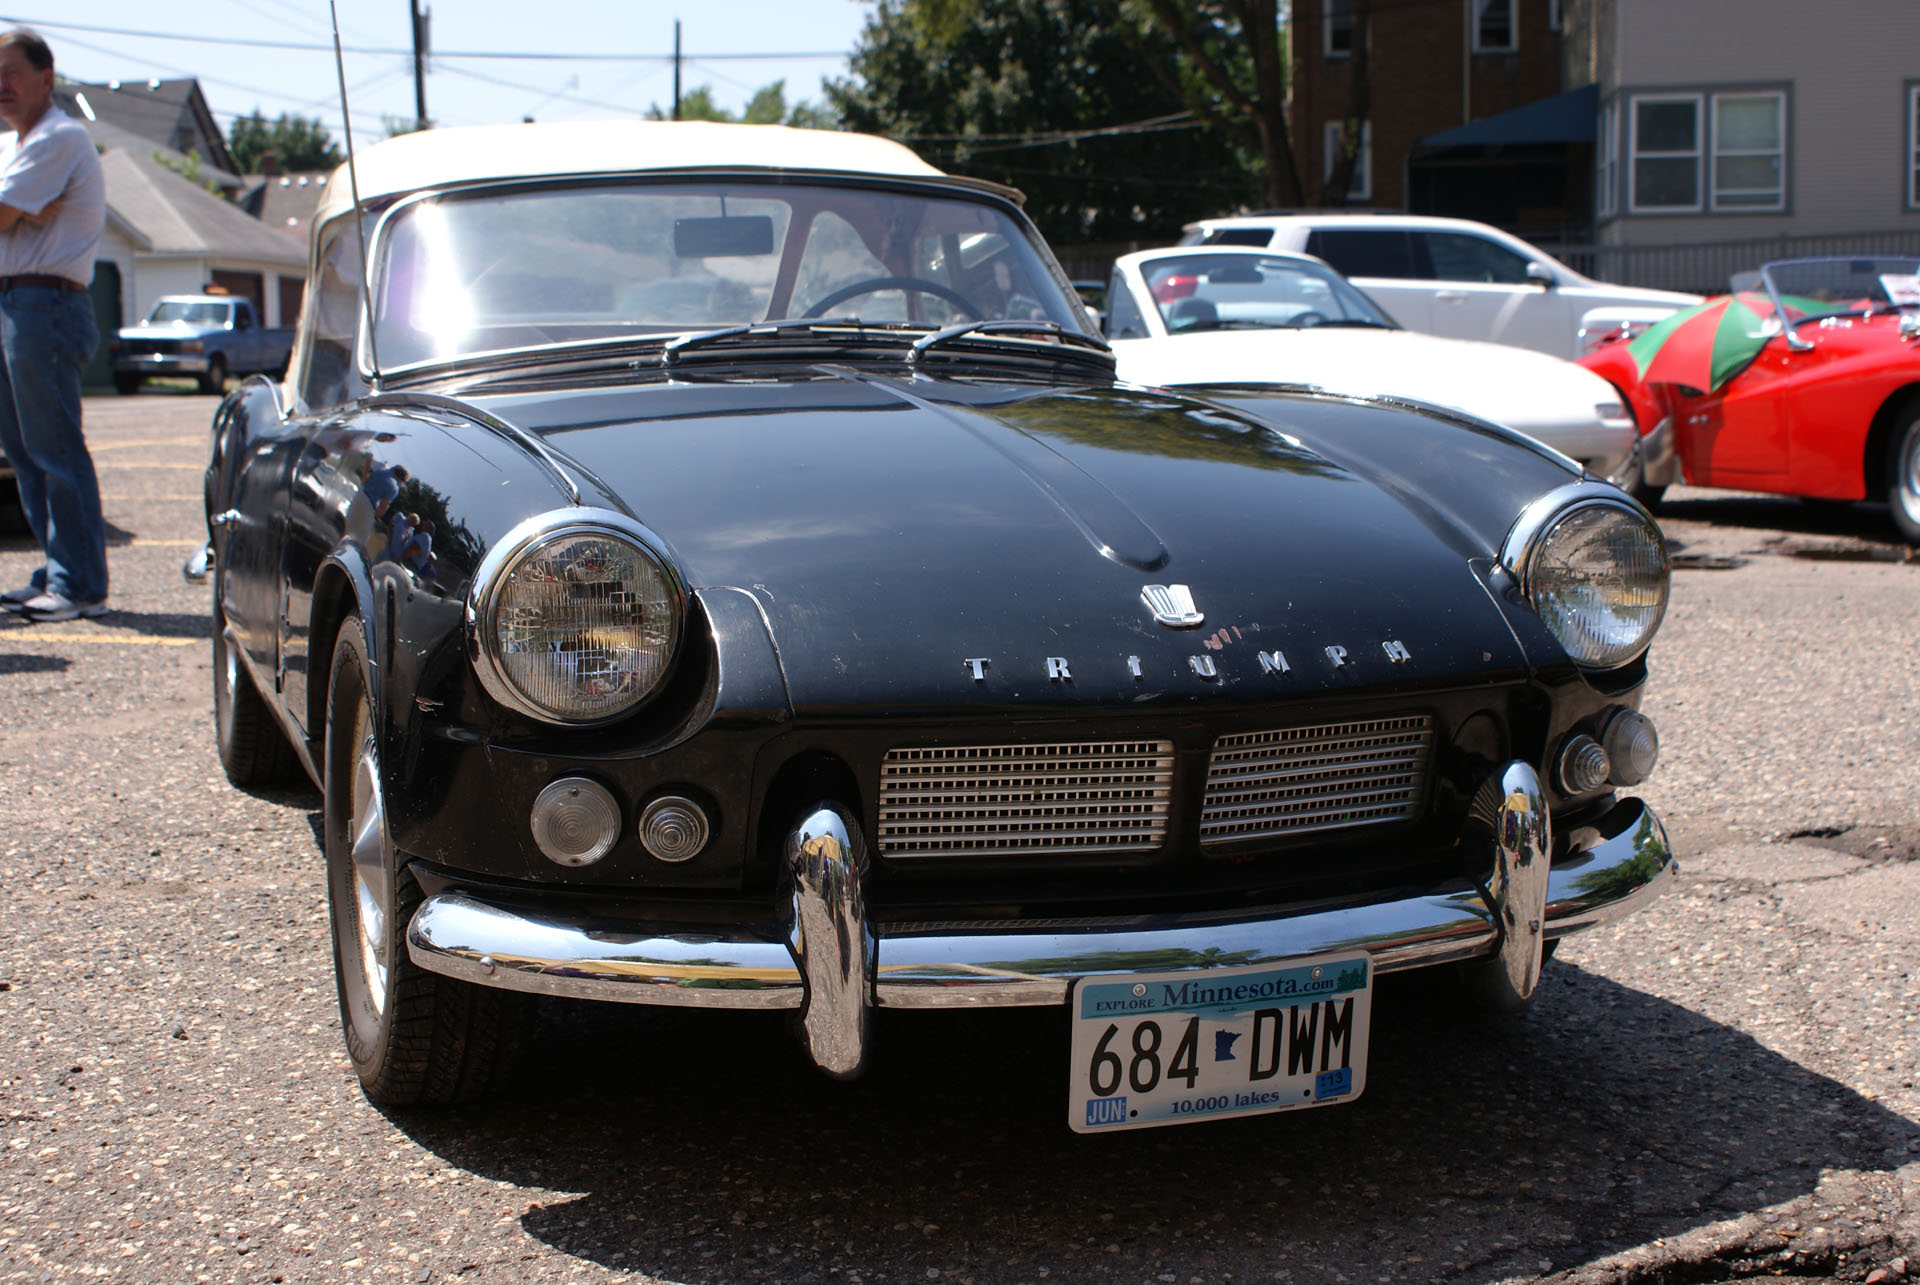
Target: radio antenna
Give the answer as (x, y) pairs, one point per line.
(353, 185)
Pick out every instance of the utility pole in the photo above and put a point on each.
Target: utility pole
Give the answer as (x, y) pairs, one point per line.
(676, 69)
(420, 47)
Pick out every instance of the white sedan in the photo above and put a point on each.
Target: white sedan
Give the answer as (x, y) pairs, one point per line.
(1231, 315)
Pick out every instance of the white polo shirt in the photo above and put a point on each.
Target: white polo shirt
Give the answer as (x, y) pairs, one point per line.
(55, 160)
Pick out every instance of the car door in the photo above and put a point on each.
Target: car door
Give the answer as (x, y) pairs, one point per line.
(1382, 262)
(1481, 290)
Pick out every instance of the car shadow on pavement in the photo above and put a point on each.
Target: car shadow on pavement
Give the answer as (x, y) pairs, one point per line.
(33, 663)
(1770, 514)
(705, 1149)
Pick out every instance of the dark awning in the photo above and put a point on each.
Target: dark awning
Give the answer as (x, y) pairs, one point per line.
(1564, 118)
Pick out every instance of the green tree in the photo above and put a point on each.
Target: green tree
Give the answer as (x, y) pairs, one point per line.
(299, 142)
(767, 106)
(1229, 61)
(1052, 97)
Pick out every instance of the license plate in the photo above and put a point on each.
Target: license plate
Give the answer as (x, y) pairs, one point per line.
(1170, 1048)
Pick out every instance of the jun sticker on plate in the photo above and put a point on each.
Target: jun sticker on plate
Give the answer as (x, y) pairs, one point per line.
(1169, 1048)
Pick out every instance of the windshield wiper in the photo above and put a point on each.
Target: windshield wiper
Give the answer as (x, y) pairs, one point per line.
(1350, 321)
(844, 326)
(1051, 330)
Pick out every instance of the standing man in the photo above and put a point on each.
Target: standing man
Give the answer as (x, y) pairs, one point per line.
(53, 210)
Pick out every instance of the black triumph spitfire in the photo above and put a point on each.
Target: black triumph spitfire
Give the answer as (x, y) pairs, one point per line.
(716, 565)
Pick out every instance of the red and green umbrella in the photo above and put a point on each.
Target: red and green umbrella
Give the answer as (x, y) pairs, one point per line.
(1704, 346)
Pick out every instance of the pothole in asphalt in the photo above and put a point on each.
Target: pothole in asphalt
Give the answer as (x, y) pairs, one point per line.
(1869, 842)
(1838, 550)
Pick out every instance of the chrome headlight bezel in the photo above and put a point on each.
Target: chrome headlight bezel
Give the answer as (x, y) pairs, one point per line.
(1533, 534)
(530, 536)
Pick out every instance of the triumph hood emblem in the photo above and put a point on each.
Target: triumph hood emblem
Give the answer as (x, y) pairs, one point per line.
(1172, 605)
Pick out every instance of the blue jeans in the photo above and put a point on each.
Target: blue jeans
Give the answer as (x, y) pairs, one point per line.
(46, 337)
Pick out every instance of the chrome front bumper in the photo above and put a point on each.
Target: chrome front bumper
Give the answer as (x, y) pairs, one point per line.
(823, 955)
(160, 363)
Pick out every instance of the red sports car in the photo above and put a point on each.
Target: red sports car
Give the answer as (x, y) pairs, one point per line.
(1805, 380)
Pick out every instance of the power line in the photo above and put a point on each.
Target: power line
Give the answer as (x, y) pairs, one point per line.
(438, 54)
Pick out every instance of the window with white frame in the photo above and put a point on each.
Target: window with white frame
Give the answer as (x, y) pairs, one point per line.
(1606, 161)
(1750, 151)
(1913, 147)
(1663, 171)
(1336, 27)
(1495, 29)
(1360, 185)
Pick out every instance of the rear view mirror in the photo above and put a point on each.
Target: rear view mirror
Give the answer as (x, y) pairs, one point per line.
(725, 237)
(1541, 275)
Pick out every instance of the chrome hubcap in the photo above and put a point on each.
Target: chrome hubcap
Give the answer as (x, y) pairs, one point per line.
(367, 835)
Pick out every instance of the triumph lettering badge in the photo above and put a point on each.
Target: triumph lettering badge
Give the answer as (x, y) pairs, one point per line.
(1172, 605)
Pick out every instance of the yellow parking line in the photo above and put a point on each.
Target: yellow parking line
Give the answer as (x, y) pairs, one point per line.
(116, 496)
(97, 447)
(138, 543)
(27, 634)
(128, 468)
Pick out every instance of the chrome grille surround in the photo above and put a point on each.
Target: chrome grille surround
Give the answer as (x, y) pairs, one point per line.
(1025, 800)
(1302, 780)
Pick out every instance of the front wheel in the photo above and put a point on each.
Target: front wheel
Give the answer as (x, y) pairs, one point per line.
(414, 1037)
(1903, 478)
(215, 380)
(126, 384)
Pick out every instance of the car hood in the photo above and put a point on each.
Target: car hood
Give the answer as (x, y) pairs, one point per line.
(916, 543)
(1523, 389)
(168, 330)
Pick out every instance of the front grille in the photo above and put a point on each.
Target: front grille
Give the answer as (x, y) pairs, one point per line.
(149, 347)
(1300, 780)
(1025, 800)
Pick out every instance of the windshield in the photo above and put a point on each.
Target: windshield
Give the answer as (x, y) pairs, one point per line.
(183, 311)
(475, 272)
(1809, 288)
(1253, 291)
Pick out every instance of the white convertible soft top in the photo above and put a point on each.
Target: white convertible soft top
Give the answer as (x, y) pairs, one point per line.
(477, 153)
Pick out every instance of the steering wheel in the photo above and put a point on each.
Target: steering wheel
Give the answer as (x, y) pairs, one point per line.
(1305, 319)
(873, 285)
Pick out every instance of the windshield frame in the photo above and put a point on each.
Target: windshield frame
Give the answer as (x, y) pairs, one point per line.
(381, 240)
(1792, 319)
(1354, 300)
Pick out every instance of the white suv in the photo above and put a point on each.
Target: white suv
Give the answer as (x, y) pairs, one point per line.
(1453, 277)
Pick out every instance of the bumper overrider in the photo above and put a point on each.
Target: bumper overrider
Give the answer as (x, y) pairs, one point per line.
(821, 955)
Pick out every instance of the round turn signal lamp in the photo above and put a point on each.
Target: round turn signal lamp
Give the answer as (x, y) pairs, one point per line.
(1583, 766)
(575, 821)
(1633, 745)
(674, 828)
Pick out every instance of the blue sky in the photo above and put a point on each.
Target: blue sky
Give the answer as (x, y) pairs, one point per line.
(734, 46)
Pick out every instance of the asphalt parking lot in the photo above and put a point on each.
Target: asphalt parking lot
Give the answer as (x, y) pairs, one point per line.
(1720, 1087)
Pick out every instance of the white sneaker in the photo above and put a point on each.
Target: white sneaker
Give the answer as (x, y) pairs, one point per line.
(50, 606)
(14, 599)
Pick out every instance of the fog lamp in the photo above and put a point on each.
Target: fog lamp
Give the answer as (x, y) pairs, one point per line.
(1583, 765)
(575, 821)
(674, 828)
(1633, 745)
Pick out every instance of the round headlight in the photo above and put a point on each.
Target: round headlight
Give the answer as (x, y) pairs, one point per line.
(575, 617)
(1594, 568)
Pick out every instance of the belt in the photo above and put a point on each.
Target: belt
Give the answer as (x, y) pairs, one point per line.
(39, 281)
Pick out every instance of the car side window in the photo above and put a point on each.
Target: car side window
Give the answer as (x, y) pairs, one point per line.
(1458, 256)
(1123, 314)
(1372, 252)
(333, 324)
(1259, 238)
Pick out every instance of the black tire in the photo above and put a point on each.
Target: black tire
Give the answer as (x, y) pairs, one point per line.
(1903, 477)
(215, 380)
(252, 750)
(126, 384)
(415, 1038)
